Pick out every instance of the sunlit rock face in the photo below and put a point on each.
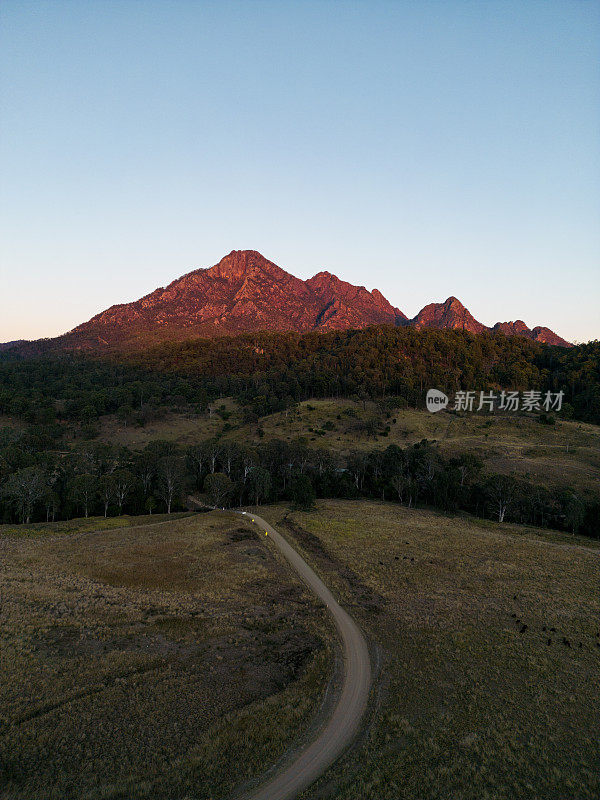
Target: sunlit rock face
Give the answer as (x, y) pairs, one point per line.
(245, 292)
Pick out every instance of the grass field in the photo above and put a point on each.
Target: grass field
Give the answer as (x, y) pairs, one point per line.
(81, 526)
(181, 660)
(489, 644)
(158, 661)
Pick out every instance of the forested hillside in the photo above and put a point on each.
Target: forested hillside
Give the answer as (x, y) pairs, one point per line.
(267, 371)
(46, 474)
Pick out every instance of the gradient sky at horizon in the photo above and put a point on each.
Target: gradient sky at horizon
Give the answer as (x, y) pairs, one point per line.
(425, 148)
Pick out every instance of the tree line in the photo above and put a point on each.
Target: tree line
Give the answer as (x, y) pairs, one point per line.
(39, 484)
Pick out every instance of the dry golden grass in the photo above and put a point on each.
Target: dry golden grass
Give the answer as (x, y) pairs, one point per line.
(468, 704)
(161, 661)
(181, 428)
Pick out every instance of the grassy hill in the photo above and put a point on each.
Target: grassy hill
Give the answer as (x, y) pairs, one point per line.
(566, 453)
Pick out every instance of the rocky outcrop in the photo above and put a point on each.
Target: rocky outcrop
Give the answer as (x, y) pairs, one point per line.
(243, 292)
(451, 314)
(538, 334)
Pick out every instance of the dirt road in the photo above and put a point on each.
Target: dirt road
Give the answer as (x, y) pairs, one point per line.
(342, 726)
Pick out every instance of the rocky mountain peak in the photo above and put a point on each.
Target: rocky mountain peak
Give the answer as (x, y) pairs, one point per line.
(245, 291)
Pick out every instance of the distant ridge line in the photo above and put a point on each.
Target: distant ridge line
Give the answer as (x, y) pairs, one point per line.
(245, 292)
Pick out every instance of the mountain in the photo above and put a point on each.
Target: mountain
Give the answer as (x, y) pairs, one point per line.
(538, 334)
(451, 314)
(349, 306)
(247, 292)
(243, 292)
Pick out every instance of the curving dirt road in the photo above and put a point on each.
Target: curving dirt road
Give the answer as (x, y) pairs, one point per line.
(343, 724)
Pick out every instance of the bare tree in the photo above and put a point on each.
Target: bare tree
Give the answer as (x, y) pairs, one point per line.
(323, 461)
(502, 492)
(400, 481)
(106, 486)
(468, 465)
(124, 482)
(25, 488)
(145, 469)
(52, 504)
(212, 452)
(248, 458)
(169, 479)
(196, 457)
(358, 463)
(227, 453)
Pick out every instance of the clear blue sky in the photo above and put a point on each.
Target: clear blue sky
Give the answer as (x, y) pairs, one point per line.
(423, 148)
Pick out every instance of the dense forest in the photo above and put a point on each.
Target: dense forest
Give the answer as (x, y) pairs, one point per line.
(268, 371)
(41, 477)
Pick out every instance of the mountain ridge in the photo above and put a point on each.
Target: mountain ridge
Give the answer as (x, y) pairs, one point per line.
(245, 292)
